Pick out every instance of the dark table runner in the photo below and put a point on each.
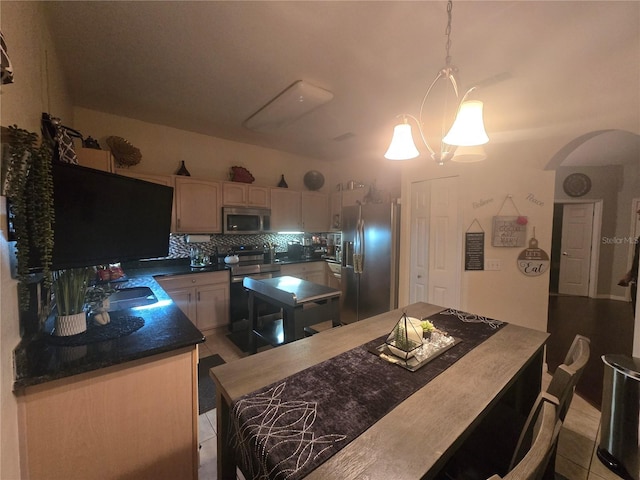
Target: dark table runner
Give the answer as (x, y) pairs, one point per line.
(285, 430)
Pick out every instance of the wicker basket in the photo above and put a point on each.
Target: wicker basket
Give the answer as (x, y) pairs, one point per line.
(125, 154)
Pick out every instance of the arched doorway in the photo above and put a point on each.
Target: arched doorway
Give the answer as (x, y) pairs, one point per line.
(608, 161)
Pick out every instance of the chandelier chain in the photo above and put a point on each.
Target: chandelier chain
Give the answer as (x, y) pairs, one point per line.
(447, 31)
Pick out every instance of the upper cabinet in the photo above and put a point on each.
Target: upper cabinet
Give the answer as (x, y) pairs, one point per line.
(285, 210)
(293, 211)
(341, 199)
(335, 211)
(198, 205)
(160, 179)
(245, 195)
(94, 158)
(315, 212)
(147, 177)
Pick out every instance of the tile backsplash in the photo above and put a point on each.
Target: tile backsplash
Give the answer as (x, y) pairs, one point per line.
(179, 248)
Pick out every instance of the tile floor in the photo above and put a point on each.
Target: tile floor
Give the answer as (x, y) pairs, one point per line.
(576, 458)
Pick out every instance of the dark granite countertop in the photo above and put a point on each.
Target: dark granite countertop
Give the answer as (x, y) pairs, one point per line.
(291, 261)
(42, 358)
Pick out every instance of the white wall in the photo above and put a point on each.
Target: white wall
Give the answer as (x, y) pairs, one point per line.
(38, 87)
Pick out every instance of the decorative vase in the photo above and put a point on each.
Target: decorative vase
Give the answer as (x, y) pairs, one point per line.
(67, 325)
(183, 170)
(283, 182)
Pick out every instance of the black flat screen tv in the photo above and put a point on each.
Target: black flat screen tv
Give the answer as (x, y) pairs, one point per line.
(102, 218)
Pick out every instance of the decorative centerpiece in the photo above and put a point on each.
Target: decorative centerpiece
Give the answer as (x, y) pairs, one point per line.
(70, 288)
(413, 343)
(406, 337)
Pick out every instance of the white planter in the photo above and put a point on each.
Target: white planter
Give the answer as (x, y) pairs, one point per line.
(70, 324)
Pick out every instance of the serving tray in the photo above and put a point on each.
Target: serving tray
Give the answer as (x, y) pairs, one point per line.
(412, 364)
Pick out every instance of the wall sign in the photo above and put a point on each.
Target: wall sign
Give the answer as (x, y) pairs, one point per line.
(533, 261)
(509, 231)
(474, 251)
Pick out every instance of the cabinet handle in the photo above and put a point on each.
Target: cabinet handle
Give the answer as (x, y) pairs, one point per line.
(198, 296)
(178, 222)
(189, 298)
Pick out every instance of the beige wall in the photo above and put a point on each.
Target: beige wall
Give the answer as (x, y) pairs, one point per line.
(163, 148)
(506, 294)
(38, 87)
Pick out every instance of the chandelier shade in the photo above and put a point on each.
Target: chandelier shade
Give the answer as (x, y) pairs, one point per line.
(468, 128)
(471, 154)
(402, 146)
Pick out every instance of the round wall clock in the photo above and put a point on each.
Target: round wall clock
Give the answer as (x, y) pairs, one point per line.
(577, 185)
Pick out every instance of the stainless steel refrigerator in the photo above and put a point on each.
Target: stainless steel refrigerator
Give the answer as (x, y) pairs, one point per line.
(370, 248)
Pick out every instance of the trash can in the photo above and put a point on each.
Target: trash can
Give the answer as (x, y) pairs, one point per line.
(620, 418)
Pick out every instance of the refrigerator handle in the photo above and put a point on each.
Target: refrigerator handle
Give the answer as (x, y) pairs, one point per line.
(347, 254)
(359, 247)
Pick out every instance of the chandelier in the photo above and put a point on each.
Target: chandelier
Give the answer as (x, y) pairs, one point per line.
(465, 135)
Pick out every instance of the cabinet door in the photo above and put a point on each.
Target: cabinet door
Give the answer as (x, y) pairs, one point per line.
(336, 211)
(315, 212)
(213, 306)
(353, 197)
(147, 177)
(94, 158)
(234, 193)
(160, 179)
(285, 210)
(185, 300)
(198, 206)
(259, 197)
(316, 277)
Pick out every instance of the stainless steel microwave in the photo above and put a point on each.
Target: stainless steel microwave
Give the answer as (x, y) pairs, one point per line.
(243, 220)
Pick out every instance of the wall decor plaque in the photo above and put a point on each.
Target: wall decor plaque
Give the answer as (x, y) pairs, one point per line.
(474, 248)
(533, 261)
(509, 231)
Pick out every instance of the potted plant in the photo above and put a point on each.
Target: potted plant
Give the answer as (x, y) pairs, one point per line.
(70, 288)
(28, 184)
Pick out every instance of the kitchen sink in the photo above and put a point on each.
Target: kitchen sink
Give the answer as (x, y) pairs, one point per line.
(131, 297)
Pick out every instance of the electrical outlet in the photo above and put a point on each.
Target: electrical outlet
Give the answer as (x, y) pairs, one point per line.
(494, 264)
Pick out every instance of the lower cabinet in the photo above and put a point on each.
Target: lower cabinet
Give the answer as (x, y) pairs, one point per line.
(310, 271)
(203, 297)
(137, 420)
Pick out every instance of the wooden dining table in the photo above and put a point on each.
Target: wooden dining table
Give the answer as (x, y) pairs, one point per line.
(417, 437)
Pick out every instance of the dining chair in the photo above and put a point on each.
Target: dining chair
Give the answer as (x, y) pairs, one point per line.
(545, 427)
(560, 391)
(574, 364)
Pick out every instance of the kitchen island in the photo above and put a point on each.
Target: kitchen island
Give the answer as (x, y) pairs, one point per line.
(116, 409)
(417, 436)
(302, 304)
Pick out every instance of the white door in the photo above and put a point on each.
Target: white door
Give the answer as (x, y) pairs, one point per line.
(420, 196)
(435, 243)
(575, 247)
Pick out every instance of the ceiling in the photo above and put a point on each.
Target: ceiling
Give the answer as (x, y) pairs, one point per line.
(554, 69)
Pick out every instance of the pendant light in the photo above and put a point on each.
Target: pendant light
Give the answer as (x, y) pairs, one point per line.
(467, 129)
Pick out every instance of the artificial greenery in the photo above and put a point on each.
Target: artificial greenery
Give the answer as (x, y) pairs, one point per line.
(70, 288)
(30, 190)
